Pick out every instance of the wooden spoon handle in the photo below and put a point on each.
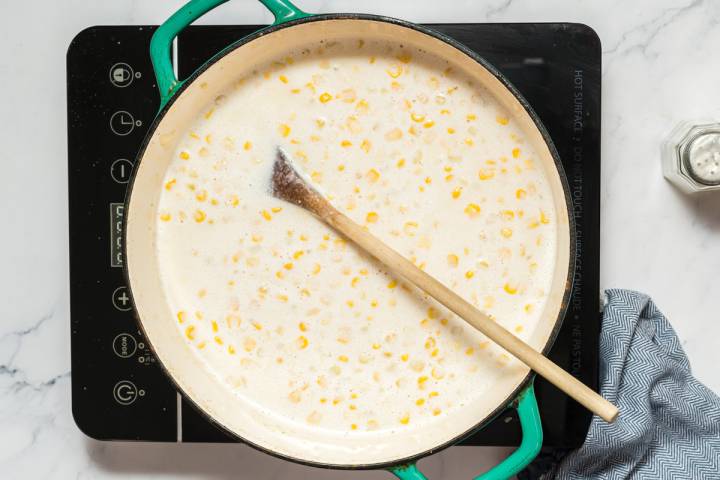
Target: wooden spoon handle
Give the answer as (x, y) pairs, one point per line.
(521, 350)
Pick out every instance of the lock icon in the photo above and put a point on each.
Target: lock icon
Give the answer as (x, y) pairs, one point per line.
(121, 75)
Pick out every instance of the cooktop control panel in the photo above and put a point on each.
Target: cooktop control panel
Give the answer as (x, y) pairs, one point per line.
(119, 391)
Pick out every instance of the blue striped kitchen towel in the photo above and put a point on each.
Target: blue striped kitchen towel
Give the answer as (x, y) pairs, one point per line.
(669, 423)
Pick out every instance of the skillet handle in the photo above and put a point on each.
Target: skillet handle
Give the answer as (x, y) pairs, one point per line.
(161, 43)
(532, 439)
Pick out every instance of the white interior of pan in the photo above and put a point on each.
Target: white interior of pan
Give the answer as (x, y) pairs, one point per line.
(248, 420)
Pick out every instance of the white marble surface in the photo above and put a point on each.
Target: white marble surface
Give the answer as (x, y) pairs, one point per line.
(659, 66)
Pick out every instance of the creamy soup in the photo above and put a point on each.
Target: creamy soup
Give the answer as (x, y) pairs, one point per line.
(296, 320)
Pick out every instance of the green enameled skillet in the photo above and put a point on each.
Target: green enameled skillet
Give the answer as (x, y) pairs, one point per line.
(181, 103)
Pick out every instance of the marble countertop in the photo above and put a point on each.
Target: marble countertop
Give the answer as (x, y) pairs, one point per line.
(659, 67)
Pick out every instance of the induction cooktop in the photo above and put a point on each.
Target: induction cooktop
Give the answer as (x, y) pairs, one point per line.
(119, 392)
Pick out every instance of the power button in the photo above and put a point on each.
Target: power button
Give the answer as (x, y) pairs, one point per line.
(125, 392)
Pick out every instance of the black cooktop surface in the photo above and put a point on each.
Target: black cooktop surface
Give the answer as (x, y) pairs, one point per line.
(118, 390)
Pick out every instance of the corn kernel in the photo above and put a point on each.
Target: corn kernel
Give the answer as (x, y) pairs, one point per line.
(199, 216)
(170, 184)
(502, 120)
(405, 419)
(404, 357)
(395, 72)
(471, 117)
(393, 135)
(373, 175)
(283, 79)
(469, 142)
(343, 358)
(486, 174)
(469, 274)
(456, 192)
(404, 57)
(325, 97)
(302, 342)
(451, 130)
(416, 117)
(453, 260)
(266, 215)
(316, 269)
(284, 129)
(544, 218)
(515, 152)
(436, 412)
(249, 344)
(507, 214)
(510, 289)
(362, 106)
(506, 232)
(392, 284)
(472, 209)
(190, 332)
(184, 155)
(365, 145)
(165, 217)
(371, 217)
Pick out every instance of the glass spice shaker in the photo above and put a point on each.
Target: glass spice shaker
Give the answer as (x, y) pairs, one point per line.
(691, 156)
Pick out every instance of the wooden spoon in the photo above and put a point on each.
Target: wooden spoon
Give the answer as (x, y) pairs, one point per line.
(290, 185)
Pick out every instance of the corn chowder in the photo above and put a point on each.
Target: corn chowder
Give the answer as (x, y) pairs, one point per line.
(288, 314)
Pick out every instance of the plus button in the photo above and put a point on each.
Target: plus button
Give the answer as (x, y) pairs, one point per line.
(121, 299)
